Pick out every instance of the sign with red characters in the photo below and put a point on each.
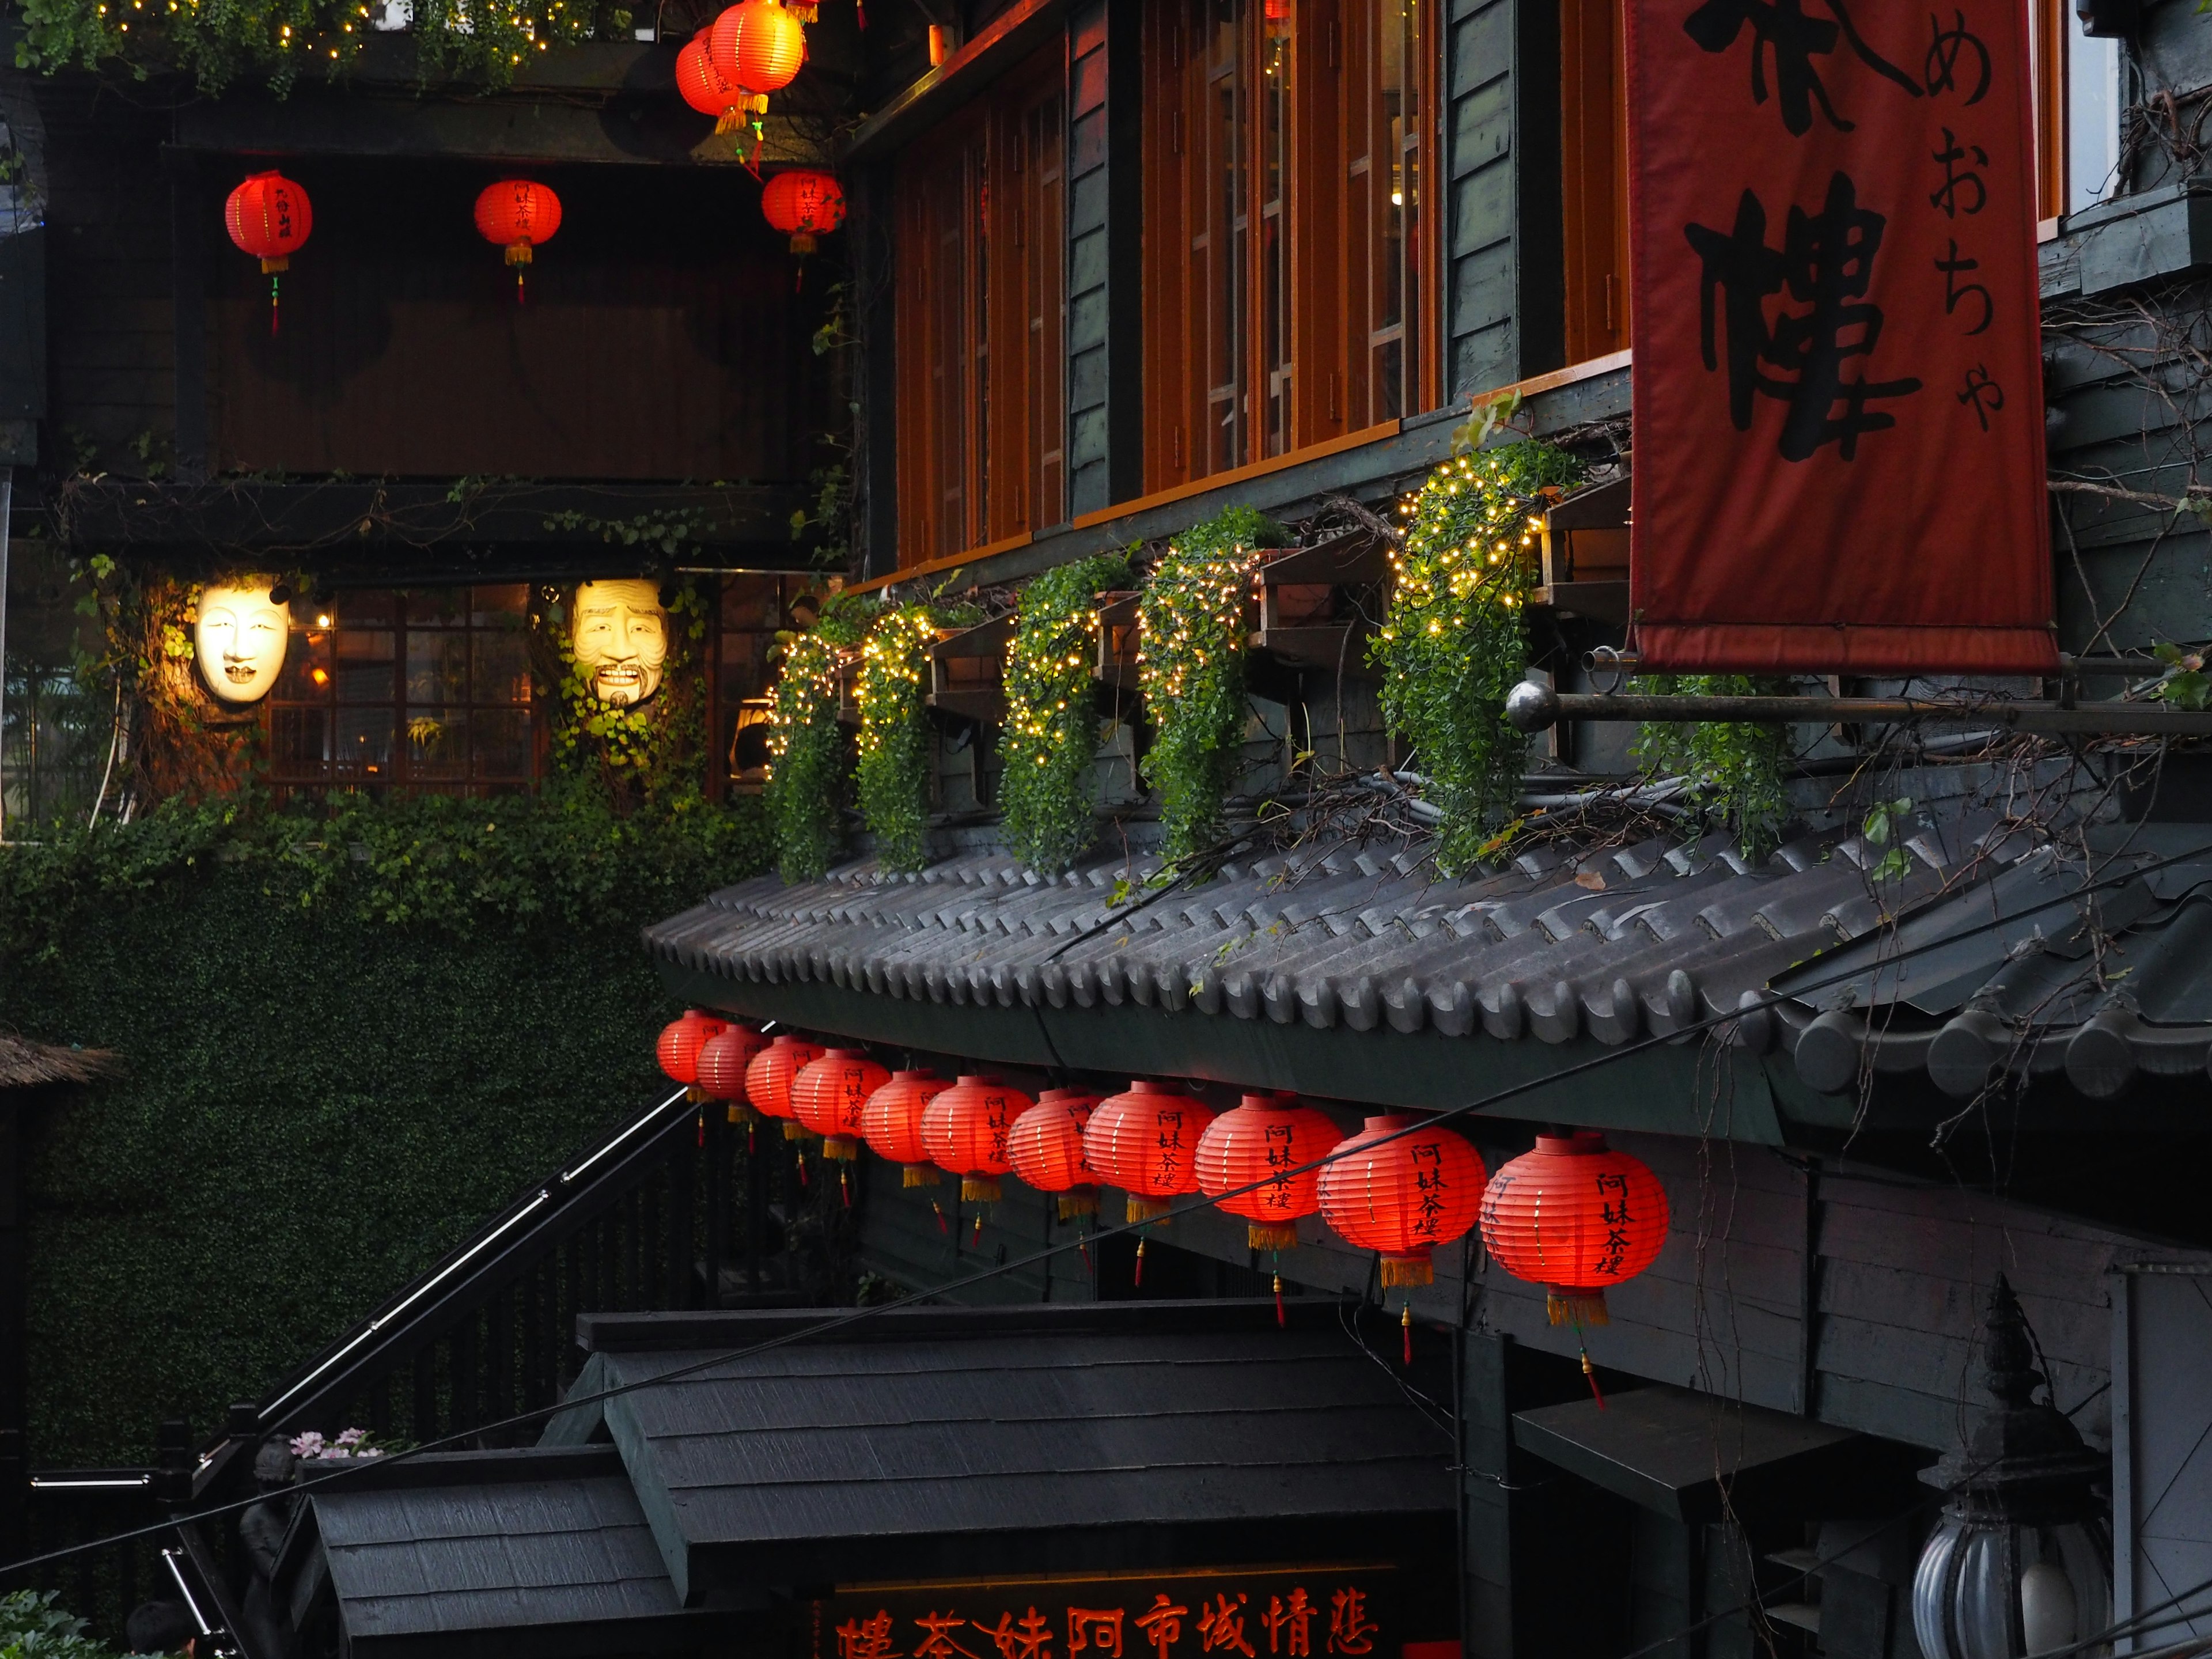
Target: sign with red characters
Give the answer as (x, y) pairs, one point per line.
(1838, 454)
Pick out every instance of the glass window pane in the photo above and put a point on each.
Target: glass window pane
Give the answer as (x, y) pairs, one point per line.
(364, 665)
(306, 674)
(437, 667)
(299, 740)
(501, 738)
(363, 743)
(437, 743)
(502, 667)
(503, 606)
(437, 607)
(359, 607)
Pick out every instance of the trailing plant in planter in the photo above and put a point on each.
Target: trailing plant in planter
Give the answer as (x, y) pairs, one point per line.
(806, 749)
(1455, 640)
(895, 738)
(1735, 768)
(1051, 735)
(1191, 668)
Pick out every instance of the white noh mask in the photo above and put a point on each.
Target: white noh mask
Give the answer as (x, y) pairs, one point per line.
(240, 640)
(619, 632)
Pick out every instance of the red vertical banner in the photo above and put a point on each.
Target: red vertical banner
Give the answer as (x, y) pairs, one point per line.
(1839, 451)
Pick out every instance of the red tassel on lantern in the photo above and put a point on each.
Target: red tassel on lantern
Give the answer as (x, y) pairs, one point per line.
(723, 1058)
(1575, 1216)
(517, 215)
(966, 1128)
(680, 1041)
(1402, 1197)
(891, 1124)
(828, 1095)
(268, 216)
(1045, 1148)
(1144, 1141)
(768, 1078)
(1263, 1139)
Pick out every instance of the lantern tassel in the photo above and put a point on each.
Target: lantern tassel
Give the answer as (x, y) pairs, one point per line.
(1139, 1280)
(1591, 1372)
(1083, 1249)
(1401, 1272)
(1076, 1204)
(860, 14)
(1280, 1321)
(702, 1131)
(844, 1187)
(1576, 1308)
(979, 1189)
(917, 1175)
(802, 1168)
(943, 1227)
(1270, 1236)
(751, 1149)
(1405, 1324)
(976, 1237)
(273, 281)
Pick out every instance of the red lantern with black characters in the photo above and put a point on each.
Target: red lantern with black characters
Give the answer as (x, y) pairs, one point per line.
(1045, 1148)
(804, 204)
(828, 1095)
(517, 214)
(891, 1124)
(1577, 1217)
(680, 1040)
(723, 1058)
(268, 216)
(758, 46)
(1272, 1139)
(1145, 1141)
(706, 91)
(769, 1079)
(965, 1129)
(1401, 1188)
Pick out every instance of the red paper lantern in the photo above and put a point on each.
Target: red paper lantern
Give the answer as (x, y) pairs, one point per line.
(721, 1069)
(1403, 1195)
(706, 91)
(1144, 1141)
(1265, 1138)
(965, 1129)
(891, 1124)
(758, 46)
(827, 1094)
(804, 204)
(517, 215)
(769, 1079)
(1045, 1148)
(680, 1040)
(1575, 1216)
(268, 216)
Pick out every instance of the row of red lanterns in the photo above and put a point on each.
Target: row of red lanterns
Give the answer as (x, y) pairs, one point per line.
(1573, 1215)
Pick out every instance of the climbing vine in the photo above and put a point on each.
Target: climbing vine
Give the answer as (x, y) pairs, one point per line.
(1051, 735)
(1192, 669)
(807, 748)
(1734, 769)
(1454, 641)
(893, 772)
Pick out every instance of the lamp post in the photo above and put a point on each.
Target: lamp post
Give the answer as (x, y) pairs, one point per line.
(2021, 1563)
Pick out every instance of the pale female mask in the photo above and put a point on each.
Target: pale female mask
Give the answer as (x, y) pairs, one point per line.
(240, 640)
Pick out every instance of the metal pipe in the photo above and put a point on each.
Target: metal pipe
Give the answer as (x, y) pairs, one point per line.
(1604, 660)
(1531, 708)
(7, 511)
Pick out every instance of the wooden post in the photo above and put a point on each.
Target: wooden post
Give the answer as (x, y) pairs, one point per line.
(14, 1305)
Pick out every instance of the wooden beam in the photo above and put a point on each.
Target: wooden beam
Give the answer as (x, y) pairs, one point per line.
(1003, 42)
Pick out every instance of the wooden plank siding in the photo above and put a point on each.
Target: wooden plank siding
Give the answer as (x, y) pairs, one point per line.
(1483, 283)
(1089, 477)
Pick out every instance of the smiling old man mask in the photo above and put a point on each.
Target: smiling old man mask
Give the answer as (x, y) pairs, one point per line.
(619, 632)
(240, 640)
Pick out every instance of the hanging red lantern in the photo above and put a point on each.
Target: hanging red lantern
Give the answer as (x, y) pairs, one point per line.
(1575, 1216)
(1144, 1141)
(827, 1094)
(757, 47)
(804, 204)
(891, 1124)
(680, 1040)
(722, 1068)
(268, 216)
(1045, 1148)
(707, 91)
(1270, 1139)
(768, 1078)
(517, 215)
(1402, 1193)
(965, 1129)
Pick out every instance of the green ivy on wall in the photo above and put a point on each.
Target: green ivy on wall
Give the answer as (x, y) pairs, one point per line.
(651, 750)
(1050, 738)
(806, 747)
(1455, 642)
(1191, 666)
(1735, 769)
(893, 770)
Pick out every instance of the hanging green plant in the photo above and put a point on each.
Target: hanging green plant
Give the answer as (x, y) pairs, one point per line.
(1050, 738)
(1735, 768)
(806, 749)
(1455, 640)
(1191, 668)
(895, 739)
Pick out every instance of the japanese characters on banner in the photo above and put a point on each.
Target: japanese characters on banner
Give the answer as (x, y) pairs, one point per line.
(1838, 454)
(1324, 1613)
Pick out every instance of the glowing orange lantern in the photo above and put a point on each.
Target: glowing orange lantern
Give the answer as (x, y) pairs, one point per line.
(680, 1040)
(1270, 1139)
(269, 217)
(757, 47)
(891, 1124)
(804, 204)
(721, 1069)
(965, 1130)
(769, 1079)
(827, 1094)
(1575, 1216)
(1402, 1193)
(706, 91)
(1145, 1142)
(517, 215)
(1045, 1148)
